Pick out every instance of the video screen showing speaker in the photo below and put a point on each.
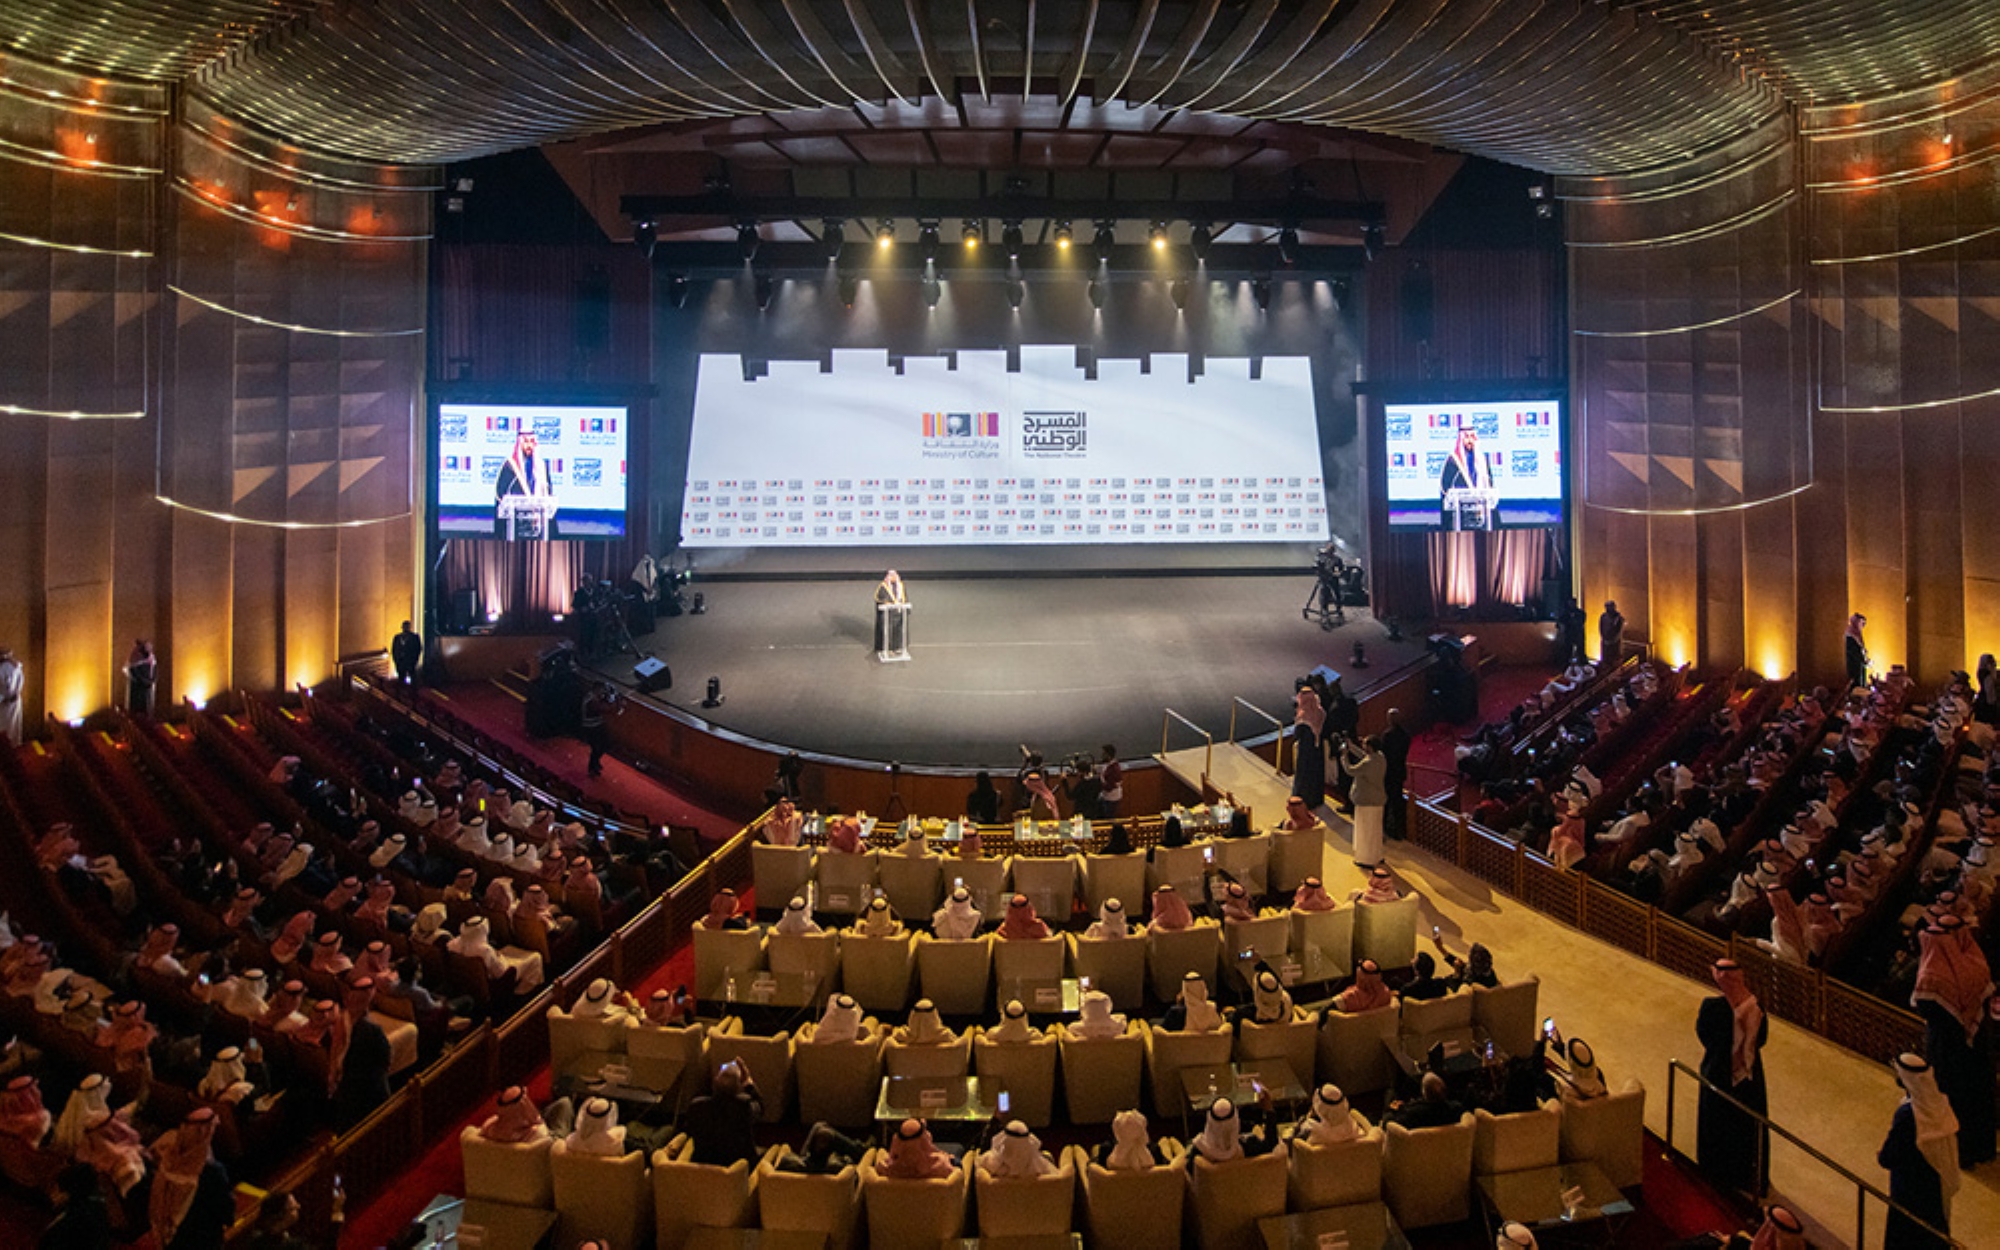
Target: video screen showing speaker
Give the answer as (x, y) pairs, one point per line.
(531, 472)
(1479, 465)
(961, 449)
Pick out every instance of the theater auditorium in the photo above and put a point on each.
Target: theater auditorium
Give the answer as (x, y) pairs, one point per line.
(877, 625)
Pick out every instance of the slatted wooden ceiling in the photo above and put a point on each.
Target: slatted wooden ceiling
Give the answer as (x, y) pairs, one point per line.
(1558, 85)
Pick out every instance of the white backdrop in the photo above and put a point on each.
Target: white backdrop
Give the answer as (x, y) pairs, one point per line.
(866, 456)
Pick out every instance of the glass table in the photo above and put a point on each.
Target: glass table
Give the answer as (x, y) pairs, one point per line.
(1549, 1199)
(1361, 1226)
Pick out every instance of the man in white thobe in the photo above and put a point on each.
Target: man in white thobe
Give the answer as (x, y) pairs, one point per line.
(13, 684)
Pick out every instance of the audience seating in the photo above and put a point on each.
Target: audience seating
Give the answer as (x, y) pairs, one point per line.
(511, 1172)
(985, 879)
(1323, 942)
(1173, 953)
(838, 1082)
(1386, 932)
(689, 1195)
(1117, 966)
(767, 1059)
(1423, 1017)
(1509, 1013)
(1102, 1076)
(1167, 1052)
(1229, 1198)
(1517, 1142)
(1352, 1053)
(1122, 877)
(876, 970)
(1135, 1210)
(1296, 1041)
(1050, 885)
(1338, 1175)
(1610, 1132)
(1029, 1070)
(1269, 936)
(721, 955)
(779, 873)
(912, 884)
(658, 1047)
(1016, 960)
(912, 1215)
(601, 1196)
(1182, 867)
(794, 1202)
(1020, 1206)
(1427, 1173)
(846, 882)
(1294, 857)
(1247, 860)
(954, 1059)
(955, 975)
(815, 956)
(570, 1037)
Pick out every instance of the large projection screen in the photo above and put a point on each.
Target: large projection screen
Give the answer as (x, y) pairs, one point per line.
(578, 463)
(959, 450)
(1508, 450)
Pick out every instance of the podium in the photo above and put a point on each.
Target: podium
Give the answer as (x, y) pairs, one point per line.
(1471, 507)
(892, 631)
(526, 516)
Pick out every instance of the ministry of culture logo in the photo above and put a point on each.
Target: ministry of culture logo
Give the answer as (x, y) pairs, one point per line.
(961, 425)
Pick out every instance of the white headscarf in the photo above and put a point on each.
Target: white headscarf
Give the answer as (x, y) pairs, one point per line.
(958, 919)
(1131, 1149)
(842, 1021)
(227, 1080)
(1331, 1120)
(472, 837)
(599, 1002)
(248, 994)
(797, 919)
(1014, 1026)
(1584, 1076)
(1221, 1136)
(1201, 1015)
(1096, 1020)
(1273, 1005)
(879, 921)
(924, 1027)
(1110, 922)
(526, 857)
(1514, 1236)
(1937, 1125)
(472, 939)
(293, 864)
(381, 856)
(92, 1094)
(597, 1130)
(1016, 1152)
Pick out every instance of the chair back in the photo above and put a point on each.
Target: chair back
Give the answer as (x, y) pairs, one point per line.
(1427, 1173)
(911, 883)
(911, 1215)
(1507, 1013)
(1323, 943)
(1050, 885)
(1336, 1175)
(899, 1059)
(1518, 1142)
(1018, 960)
(570, 1037)
(1353, 1050)
(1294, 857)
(792, 1202)
(1182, 867)
(780, 873)
(956, 975)
(689, 1195)
(1027, 1206)
(1229, 1198)
(815, 956)
(1028, 1071)
(1167, 1052)
(1248, 860)
(1134, 1210)
(1296, 1041)
(511, 1172)
(984, 879)
(600, 1196)
(838, 1082)
(721, 955)
(1268, 938)
(846, 881)
(767, 1059)
(1102, 1076)
(1423, 1016)
(1117, 966)
(1386, 932)
(1610, 1132)
(1172, 954)
(1122, 877)
(876, 970)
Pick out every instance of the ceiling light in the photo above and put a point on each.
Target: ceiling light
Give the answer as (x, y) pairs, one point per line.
(1010, 238)
(1063, 235)
(1260, 291)
(766, 290)
(1199, 238)
(933, 291)
(833, 236)
(677, 291)
(646, 237)
(1017, 290)
(1288, 245)
(746, 239)
(1102, 244)
(1178, 290)
(970, 234)
(927, 240)
(849, 288)
(885, 234)
(1096, 291)
(1159, 236)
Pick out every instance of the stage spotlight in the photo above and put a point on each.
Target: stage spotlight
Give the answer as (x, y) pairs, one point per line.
(677, 291)
(849, 288)
(714, 696)
(1179, 291)
(1096, 291)
(1199, 238)
(971, 233)
(1544, 209)
(1341, 290)
(927, 240)
(885, 234)
(746, 239)
(1288, 245)
(765, 289)
(1101, 245)
(1063, 236)
(1260, 290)
(646, 237)
(833, 236)
(1010, 238)
(933, 291)
(1371, 240)
(1159, 236)
(1017, 290)
(1538, 191)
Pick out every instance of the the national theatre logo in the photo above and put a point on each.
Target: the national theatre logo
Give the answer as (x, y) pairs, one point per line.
(961, 435)
(1058, 435)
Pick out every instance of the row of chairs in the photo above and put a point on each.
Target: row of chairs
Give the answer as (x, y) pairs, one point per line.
(915, 884)
(961, 975)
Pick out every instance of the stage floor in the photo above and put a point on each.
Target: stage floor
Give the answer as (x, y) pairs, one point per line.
(1061, 664)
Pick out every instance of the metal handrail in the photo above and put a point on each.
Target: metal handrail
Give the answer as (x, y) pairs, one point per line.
(1278, 760)
(1862, 1189)
(1208, 754)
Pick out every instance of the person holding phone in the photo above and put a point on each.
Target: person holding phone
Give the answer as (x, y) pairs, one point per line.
(722, 1124)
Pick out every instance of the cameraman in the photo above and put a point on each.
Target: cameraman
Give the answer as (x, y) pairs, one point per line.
(600, 703)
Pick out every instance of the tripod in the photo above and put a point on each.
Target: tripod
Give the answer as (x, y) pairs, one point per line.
(1323, 603)
(612, 628)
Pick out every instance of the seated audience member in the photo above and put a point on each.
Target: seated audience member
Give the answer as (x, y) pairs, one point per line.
(92, 1094)
(83, 1218)
(825, 1152)
(1780, 1230)
(1131, 1147)
(1580, 1080)
(958, 919)
(1236, 905)
(1566, 848)
(1330, 1120)
(601, 1000)
(157, 952)
(1171, 912)
(597, 1130)
(1433, 1108)
(797, 921)
(1013, 1026)
(245, 995)
(1425, 984)
(1192, 1012)
(363, 1057)
(1514, 1235)
(1095, 1020)
(724, 912)
(227, 1079)
(1269, 1003)
(843, 836)
(1016, 1152)
(284, 1015)
(1788, 939)
(474, 942)
(328, 958)
(111, 1147)
(1111, 922)
(1021, 922)
(294, 938)
(1312, 896)
(783, 826)
(1368, 992)
(277, 1218)
(515, 1120)
(669, 1009)
(878, 920)
(924, 1028)
(1381, 887)
(191, 1203)
(22, 1115)
(722, 1124)
(913, 1156)
(1475, 969)
(1299, 818)
(841, 1022)
(1225, 1135)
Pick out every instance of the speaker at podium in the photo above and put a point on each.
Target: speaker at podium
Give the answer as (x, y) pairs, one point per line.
(651, 675)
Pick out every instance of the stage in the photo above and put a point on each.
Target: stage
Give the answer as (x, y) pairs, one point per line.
(1061, 664)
